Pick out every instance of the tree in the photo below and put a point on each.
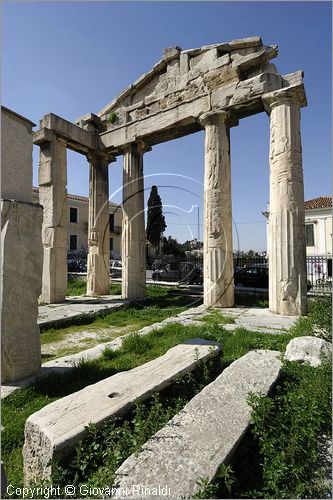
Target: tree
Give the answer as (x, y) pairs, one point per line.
(172, 247)
(155, 219)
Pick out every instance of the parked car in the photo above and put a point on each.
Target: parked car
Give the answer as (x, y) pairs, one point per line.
(116, 268)
(187, 272)
(166, 274)
(254, 276)
(76, 266)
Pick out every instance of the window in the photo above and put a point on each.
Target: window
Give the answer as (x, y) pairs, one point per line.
(309, 235)
(111, 220)
(73, 214)
(111, 244)
(73, 242)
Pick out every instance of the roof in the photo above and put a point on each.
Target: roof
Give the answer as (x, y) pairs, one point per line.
(77, 197)
(320, 202)
(10, 111)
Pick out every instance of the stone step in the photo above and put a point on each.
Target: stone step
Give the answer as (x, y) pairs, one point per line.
(53, 431)
(200, 437)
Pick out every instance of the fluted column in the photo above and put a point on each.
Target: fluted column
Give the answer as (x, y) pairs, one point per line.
(218, 247)
(287, 252)
(98, 226)
(133, 233)
(52, 179)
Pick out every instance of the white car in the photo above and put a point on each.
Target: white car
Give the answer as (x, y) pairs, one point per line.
(116, 268)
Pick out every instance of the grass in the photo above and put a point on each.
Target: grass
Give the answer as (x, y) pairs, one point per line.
(77, 287)
(104, 327)
(134, 352)
(318, 322)
(216, 317)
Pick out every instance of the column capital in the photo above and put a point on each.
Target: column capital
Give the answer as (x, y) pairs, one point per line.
(138, 146)
(295, 95)
(100, 156)
(222, 115)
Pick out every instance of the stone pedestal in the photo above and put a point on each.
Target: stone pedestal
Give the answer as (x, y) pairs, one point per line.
(21, 271)
(98, 272)
(218, 247)
(52, 178)
(287, 252)
(133, 234)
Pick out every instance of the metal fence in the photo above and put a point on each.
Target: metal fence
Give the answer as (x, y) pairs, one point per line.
(319, 269)
(319, 274)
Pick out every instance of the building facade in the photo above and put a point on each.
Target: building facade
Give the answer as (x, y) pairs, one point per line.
(318, 226)
(77, 228)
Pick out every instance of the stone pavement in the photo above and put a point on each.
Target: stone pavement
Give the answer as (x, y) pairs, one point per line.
(254, 319)
(55, 314)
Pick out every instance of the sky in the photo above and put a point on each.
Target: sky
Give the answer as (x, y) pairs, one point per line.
(73, 58)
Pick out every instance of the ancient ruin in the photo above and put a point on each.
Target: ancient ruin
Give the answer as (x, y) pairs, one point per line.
(21, 252)
(208, 88)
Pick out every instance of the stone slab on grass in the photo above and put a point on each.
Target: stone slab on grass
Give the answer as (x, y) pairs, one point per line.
(309, 349)
(204, 434)
(53, 431)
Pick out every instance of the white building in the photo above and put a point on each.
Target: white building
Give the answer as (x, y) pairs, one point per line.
(318, 226)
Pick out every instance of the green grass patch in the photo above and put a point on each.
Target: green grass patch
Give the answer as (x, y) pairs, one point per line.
(216, 317)
(318, 321)
(132, 317)
(76, 287)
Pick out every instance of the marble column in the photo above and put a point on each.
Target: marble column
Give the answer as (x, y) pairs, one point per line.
(287, 252)
(133, 233)
(52, 179)
(218, 246)
(98, 271)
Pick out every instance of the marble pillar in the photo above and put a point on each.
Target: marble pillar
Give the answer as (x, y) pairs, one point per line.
(52, 179)
(218, 246)
(98, 271)
(287, 251)
(133, 233)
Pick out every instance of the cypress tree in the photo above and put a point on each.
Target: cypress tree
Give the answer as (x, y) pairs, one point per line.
(155, 219)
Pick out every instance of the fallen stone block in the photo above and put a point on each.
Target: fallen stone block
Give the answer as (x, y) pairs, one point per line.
(309, 349)
(203, 435)
(53, 431)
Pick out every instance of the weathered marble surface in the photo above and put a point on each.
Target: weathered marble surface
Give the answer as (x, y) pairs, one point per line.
(204, 434)
(21, 273)
(53, 431)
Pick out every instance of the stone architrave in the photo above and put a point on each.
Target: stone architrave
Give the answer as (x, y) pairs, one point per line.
(218, 247)
(287, 257)
(21, 279)
(133, 237)
(52, 179)
(98, 226)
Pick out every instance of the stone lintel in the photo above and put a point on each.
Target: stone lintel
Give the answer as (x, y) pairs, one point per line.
(294, 93)
(43, 135)
(76, 137)
(153, 128)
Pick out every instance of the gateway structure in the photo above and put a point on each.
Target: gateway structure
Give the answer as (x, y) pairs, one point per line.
(208, 88)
